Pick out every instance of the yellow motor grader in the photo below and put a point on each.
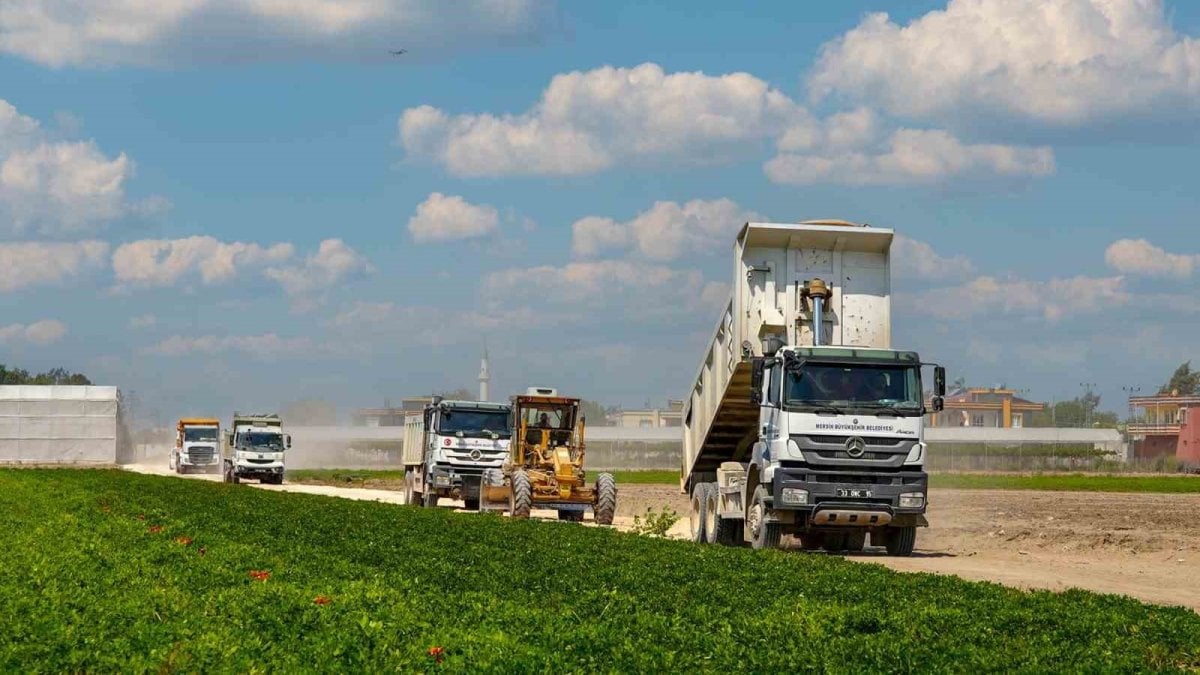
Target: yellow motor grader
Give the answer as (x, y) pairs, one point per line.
(544, 468)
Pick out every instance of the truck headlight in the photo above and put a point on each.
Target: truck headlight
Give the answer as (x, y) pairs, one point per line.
(441, 481)
(794, 496)
(912, 500)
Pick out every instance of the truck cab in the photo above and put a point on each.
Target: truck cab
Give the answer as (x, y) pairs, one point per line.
(449, 446)
(197, 445)
(255, 448)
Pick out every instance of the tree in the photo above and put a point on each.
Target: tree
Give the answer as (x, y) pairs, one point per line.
(1077, 412)
(1184, 381)
(596, 414)
(52, 376)
(960, 384)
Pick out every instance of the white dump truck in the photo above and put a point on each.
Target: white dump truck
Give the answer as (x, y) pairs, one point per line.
(254, 448)
(449, 446)
(197, 445)
(802, 419)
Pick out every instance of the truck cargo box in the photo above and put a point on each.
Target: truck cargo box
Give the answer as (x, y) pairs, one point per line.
(772, 263)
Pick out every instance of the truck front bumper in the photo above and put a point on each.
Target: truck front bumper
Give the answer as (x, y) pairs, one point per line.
(258, 470)
(822, 496)
(461, 482)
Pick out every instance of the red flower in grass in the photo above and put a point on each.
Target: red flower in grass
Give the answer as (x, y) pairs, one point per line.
(260, 575)
(155, 529)
(437, 653)
(183, 541)
(105, 508)
(322, 600)
(141, 516)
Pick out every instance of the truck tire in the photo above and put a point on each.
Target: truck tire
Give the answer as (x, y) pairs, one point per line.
(698, 515)
(855, 541)
(429, 500)
(606, 499)
(812, 541)
(471, 503)
(718, 530)
(901, 541)
(763, 534)
(408, 488)
(835, 542)
(570, 516)
(521, 499)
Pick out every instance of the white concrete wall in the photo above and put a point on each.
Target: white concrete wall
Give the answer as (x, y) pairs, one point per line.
(58, 424)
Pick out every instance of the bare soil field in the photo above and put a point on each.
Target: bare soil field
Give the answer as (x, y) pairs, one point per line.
(1142, 545)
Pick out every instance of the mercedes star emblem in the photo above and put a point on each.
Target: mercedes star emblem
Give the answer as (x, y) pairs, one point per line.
(855, 447)
(475, 455)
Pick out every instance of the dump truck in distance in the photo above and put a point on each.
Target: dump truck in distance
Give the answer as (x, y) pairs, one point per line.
(449, 446)
(254, 448)
(197, 445)
(802, 419)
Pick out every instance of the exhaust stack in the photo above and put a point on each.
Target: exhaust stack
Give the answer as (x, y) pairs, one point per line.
(818, 293)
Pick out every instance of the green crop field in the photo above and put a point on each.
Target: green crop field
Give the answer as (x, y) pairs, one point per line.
(112, 571)
(1069, 482)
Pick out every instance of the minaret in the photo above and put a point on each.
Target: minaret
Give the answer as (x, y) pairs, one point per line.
(485, 376)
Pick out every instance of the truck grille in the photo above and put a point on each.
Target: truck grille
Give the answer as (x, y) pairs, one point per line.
(867, 440)
(200, 455)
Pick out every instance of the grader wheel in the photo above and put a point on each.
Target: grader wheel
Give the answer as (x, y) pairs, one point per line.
(606, 499)
(522, 495)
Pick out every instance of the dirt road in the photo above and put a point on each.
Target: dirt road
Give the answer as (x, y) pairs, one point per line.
(1143, 545)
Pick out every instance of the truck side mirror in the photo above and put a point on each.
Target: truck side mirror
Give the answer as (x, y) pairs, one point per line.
(289, 440)
(757, 368)
(939, 381)
(939, 404)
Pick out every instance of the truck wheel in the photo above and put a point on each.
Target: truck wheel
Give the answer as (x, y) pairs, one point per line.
(812, 541)
(855, 541)
(901, 541)
(763, 534)
(718, 530)
(408, 488)
(570, 516)
(835, 542)
(698, 515)
(429, 500)
(606, 499)
(471, 503)
(521, 499)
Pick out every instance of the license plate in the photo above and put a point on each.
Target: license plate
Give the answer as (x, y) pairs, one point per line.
(854, 494)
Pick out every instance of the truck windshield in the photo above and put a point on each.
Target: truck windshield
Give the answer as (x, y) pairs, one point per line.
(199, 434)
(264, 440)
(863, 387)
(474, 423)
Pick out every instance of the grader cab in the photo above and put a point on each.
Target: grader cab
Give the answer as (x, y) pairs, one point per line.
(544, 469)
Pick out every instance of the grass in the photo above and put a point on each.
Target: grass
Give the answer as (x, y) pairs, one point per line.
(112, 571)
(360, 477)
(1077, 482)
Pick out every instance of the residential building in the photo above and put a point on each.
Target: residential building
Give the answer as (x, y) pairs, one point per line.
(979, 407)
(1166, 426)
(647, 418)
(389, 415)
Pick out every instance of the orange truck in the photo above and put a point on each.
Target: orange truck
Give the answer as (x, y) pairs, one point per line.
(197, 445)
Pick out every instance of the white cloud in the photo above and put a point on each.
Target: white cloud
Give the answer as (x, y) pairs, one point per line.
(333, 262)
(143, 321)
(589, 121)
(443, 218)
(43, 332)
(1138, 256)
(918, 260)
(666, 231)
(1060, 62)
(164, 262)
(909, 156)
(28, 264)
(99, 33)
(1052, 299)
(267, 345)
(58, 187)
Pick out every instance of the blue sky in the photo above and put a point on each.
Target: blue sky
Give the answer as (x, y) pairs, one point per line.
(230, 204)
